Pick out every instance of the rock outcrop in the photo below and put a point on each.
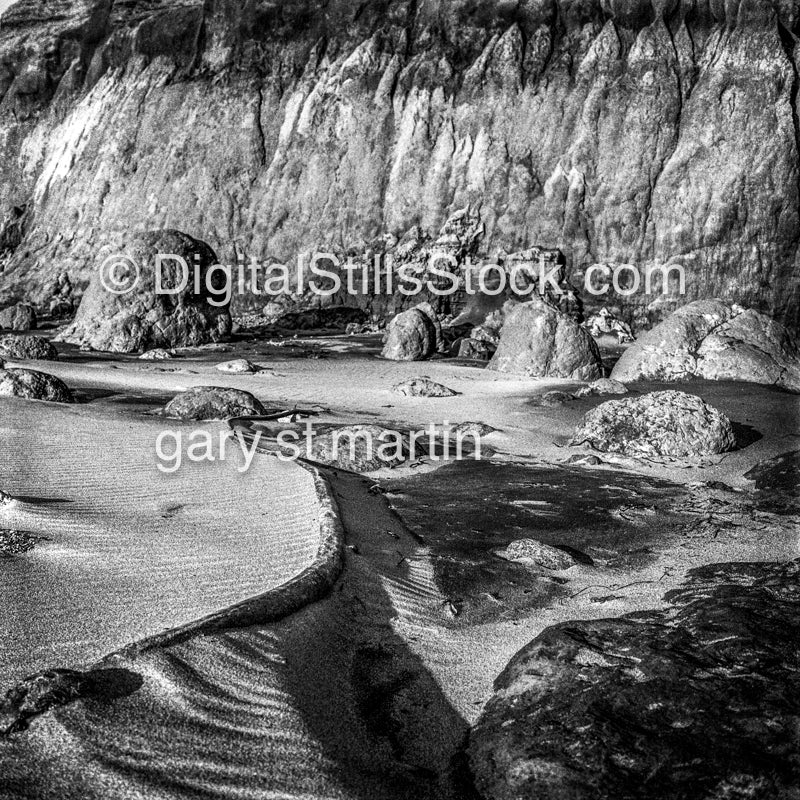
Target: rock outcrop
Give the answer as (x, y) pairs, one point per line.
(33, 385)
(130, 304)
(270, 129)
(213, 402)
(19, 317)
(699, 700)
(713, 340)
(673, 424)
(539, 341)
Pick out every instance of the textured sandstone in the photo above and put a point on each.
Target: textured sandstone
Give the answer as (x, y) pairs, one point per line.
(621, 132)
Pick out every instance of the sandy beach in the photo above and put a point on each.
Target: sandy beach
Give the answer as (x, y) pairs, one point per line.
(370, 692)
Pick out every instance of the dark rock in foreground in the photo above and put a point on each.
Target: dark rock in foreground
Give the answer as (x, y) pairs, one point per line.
(39, 693)
(657, 424)
(142, 318)
(27, 348)
(213, 402)
(33, 385)
(539, 341)
(713, 340)
(21, 317)
(700, 701)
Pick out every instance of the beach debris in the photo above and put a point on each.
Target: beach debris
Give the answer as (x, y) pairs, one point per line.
(602, 386)
(540, 341)
(20, 317)
(667, 423)
(238, 366)
(33, 385)
(595, 708)
(157, 354)
(422, 386)
(27, 347)
(212, 403)
(121, 312)
(714, 340)
(536, 552)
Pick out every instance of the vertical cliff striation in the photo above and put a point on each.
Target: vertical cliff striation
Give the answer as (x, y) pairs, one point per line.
(627, 131)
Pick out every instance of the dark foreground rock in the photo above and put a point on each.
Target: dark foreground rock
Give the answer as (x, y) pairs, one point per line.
(540, 341)
(668, 423)
(57, 687)
(142, 318)
(27, 348)
(700, 701)
(213, 402)
(33, 385)
(21, 317)
(716, 341)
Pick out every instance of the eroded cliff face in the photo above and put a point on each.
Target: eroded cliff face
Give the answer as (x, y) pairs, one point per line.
(624, 131)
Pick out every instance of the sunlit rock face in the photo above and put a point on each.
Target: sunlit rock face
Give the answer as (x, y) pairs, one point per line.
(637, 132)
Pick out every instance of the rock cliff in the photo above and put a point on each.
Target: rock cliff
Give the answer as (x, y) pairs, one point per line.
(621, 131)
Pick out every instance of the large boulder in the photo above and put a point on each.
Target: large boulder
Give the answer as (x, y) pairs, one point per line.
(539, 341)
(657, 424)
(410, 336)
(139, 318)
(27, 348)
(700, 700)
(713, 340)
(213, 402)
(33, 385)
(21, 317)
